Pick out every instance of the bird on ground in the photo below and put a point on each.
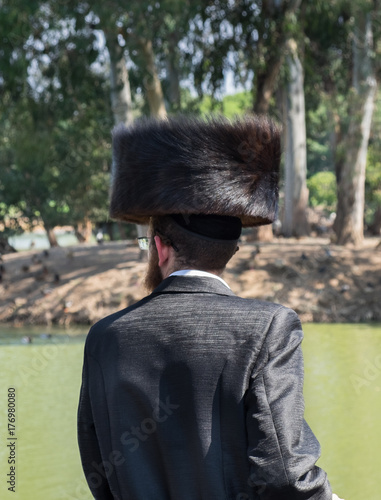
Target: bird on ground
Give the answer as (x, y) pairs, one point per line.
(328, 253)
(41, 274)
(36, 259)
(255, 252)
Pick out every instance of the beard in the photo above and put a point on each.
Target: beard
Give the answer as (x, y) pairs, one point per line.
(153, 276)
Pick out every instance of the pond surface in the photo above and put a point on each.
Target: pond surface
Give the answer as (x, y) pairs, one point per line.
(342, 393)
(39, 241)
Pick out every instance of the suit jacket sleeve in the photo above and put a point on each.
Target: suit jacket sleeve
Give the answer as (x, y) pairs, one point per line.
(282, 448)
(91, 457)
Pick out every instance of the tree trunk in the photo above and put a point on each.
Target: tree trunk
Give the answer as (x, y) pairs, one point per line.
(349, 223)
(262, 233)
(120, 84)
(121, 101)
(152, 83)
(84, 231)
(122, 230)
(266, 84)
(51, 236)
(336, 139)
(5, 247)
(266, 79)
(171, 59)
(295, 221)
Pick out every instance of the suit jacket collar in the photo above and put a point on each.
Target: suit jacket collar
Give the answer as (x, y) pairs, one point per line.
(192, 284)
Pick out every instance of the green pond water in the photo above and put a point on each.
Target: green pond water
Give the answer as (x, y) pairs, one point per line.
(342, 393)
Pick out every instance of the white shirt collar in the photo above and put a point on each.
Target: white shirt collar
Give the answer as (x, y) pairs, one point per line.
(196, 272)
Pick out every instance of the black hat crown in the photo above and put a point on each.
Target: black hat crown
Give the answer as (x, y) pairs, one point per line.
(196, 166)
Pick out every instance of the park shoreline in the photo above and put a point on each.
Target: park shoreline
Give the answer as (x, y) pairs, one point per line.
(322, 282)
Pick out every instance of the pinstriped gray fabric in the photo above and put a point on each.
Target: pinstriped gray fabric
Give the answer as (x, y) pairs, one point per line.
(194, 393)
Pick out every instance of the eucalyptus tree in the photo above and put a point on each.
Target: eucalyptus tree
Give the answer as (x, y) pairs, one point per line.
(295, 222)
(347, 51)
(155, 33)
(270, 47)
(349, 223)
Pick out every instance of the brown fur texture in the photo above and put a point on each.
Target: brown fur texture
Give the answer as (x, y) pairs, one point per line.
(193, 166)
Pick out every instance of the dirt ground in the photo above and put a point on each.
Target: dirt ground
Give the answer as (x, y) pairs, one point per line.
(81, 284)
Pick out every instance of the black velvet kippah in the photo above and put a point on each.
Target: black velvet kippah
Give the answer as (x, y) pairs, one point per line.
(215, 227)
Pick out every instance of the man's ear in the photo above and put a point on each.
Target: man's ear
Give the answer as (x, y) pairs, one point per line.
(163, 251)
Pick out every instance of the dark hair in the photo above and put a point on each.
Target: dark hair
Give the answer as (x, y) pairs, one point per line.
(193, 251)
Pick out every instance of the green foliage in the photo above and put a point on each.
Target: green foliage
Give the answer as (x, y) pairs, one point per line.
(237, 104)
(372, 183)
(54, 147)
(55, 113)
(322, 188)
(229, 106)
(57, 173)
(319, 133)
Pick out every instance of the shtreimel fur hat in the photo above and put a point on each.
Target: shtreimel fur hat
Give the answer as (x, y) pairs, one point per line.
(195, 166)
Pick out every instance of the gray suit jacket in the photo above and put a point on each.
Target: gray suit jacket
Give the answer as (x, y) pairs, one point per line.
(194, 393)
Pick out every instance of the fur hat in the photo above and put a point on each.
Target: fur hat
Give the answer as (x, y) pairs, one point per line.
(195, 166)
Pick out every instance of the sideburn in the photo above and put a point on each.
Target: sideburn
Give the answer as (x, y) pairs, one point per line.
(153, 276)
